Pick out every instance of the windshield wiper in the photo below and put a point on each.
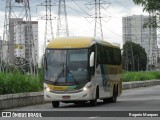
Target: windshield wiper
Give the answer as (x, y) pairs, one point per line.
(61, 73)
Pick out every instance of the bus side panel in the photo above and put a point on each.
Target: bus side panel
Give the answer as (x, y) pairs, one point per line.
(120, 81)
(114, 76)
(108, 77)
(103, 81)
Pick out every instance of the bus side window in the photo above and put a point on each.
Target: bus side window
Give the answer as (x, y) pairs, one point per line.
(98, 70)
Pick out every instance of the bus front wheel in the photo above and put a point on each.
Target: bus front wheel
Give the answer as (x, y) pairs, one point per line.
(55, 104)
(94, 102)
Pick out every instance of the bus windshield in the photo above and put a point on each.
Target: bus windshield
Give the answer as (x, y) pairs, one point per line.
(66, 67)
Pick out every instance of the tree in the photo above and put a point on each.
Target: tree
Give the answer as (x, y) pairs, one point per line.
(149, 5)
(134, 57)
(152, 7)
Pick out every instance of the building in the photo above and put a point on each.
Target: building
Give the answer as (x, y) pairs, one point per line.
(20, 44)
(12, 33)
(3, 49)
(1, 44)
(134, 30)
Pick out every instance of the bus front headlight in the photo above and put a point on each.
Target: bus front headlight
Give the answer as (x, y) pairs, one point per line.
(87, 86)
(84, 88)
(47, 88)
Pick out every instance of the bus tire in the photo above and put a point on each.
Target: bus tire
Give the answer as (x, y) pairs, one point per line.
(94, 102)
(114, 97)
(106, 100)
(117, 91)
(55, 104)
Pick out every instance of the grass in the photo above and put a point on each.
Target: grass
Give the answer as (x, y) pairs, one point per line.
(140, 76)
(19, 83)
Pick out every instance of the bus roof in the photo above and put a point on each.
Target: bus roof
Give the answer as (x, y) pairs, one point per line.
(75, 42)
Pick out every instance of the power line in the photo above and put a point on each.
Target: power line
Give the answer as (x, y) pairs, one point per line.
(2, 10)
(122, 5)
(75, 10)
(112, 32)
(80, 7)
(89, 15)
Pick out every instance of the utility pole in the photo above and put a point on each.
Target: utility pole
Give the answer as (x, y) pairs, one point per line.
(17, 12)
(62, 23)
(48, 35)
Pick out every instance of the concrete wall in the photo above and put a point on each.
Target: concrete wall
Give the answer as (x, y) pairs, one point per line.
(129, 85)
(24, 99)
(20, 99)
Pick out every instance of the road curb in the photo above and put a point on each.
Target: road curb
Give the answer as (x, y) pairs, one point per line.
(32, 98)
(137, 84)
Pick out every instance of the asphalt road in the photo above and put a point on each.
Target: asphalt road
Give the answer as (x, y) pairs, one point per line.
(139, 99)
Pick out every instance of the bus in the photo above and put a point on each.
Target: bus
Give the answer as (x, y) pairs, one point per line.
(81, 69)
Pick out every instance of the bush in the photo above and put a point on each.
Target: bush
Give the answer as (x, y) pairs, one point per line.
(140, 76)
(19, 83)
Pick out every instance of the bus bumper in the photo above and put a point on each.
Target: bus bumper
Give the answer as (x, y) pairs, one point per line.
(84, 95)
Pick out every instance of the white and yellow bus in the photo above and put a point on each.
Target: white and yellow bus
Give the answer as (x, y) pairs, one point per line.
(82, 69)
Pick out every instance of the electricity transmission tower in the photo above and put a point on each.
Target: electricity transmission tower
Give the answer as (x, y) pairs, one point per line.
(19, 53)
(98, 32)
(129, 58)
(98, 5)
(48, 35)
(62, 23)
(152, 53)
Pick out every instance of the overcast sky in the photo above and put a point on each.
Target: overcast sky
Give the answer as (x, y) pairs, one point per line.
(79, 21)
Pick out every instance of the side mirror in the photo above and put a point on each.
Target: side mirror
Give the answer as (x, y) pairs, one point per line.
(91, 63)
(44, 62)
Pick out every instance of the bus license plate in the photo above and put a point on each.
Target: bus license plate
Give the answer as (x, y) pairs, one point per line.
(66, 97)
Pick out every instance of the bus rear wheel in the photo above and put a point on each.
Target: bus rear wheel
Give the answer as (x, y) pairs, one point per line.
(106, 100)
(114, 97)
(55, 104)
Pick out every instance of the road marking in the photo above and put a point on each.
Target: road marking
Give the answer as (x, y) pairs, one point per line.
(153, 98)
(92, 117)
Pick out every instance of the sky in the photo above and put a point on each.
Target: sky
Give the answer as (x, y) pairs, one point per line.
(80, 18)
